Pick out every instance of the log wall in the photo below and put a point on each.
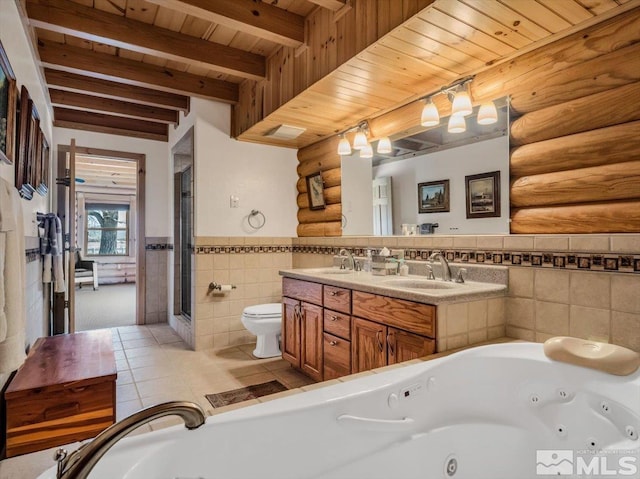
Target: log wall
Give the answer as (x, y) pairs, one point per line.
(575, 157)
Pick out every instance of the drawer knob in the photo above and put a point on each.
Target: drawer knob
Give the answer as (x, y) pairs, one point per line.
(334, 318)
(333, 343)
(333, 293)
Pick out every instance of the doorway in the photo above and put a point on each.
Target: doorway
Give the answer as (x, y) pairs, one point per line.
(105, 206)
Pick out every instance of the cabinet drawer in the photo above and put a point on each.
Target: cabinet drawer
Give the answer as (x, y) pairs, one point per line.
(302, 290)
(337, 357)
(414, 317)
(338, 299)
(337, 324)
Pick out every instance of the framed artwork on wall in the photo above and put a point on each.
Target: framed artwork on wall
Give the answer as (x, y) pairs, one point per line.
(23, 147)
(8, 101)
(315, 191)
(433, 197)
(483, 195)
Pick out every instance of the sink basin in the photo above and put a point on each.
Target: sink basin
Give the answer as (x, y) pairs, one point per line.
(421, 284)
(328, 271)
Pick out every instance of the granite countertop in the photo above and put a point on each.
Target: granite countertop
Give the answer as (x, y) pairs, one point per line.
(413, 287)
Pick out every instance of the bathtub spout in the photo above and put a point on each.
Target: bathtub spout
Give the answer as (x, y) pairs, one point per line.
(80, 462)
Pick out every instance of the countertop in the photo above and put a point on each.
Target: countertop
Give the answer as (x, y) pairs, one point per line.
(384, 285)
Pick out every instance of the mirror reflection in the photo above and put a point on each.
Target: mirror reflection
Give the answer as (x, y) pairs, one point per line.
(432, 182)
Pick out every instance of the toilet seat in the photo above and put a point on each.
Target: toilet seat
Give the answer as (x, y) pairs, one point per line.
(263, 311)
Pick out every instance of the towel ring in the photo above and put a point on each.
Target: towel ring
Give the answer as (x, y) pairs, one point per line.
(251, 217)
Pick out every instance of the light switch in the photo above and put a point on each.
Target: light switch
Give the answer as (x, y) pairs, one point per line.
(234, 201)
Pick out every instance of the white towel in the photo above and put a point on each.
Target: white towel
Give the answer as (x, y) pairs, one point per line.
(12, 280)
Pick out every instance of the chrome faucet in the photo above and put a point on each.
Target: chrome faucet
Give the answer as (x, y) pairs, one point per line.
(349, 258)
(446, 271)
(80, 462)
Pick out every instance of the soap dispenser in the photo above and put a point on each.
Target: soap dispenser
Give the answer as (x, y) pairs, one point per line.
(404, 268)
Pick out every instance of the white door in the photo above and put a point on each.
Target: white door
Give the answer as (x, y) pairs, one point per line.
(382, 207)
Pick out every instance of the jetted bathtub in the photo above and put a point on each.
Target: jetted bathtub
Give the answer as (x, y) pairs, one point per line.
(500, 411)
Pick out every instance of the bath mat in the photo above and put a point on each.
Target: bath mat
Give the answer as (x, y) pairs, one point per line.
(245, 394)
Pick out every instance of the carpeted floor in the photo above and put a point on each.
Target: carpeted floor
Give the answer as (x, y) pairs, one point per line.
(113, 305)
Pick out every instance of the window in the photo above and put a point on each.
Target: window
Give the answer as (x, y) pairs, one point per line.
(107, 230)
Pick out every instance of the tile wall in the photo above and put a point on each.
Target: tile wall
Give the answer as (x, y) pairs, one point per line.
(586, 286)
(156, 285)
(251, 264)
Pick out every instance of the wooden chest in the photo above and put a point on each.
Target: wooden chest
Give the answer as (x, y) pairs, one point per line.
(64, 392)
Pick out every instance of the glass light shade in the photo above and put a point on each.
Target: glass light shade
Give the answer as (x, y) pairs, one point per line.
(461, 104)
(430, 115)
(487, 115)
(366, 151)
(344, 148)
(457, 124)
(360, 140)
(384, 145)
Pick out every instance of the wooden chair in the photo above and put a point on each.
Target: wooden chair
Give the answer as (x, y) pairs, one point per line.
(86, 271)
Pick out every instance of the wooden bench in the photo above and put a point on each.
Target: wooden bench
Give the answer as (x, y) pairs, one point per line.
(64, 392)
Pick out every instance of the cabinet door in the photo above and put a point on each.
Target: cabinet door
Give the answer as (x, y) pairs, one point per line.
(403, 346)
(291, 331)
(368, 345)
(311, 340)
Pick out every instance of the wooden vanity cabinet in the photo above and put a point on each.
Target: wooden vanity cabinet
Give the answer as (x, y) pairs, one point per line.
(302, 321)
(375, 339)
(337, 332)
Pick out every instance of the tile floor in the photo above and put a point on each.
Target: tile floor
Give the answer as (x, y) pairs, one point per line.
(154, 365)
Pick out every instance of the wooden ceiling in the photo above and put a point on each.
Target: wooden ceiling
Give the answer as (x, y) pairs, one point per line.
(129, 66)
(446, 41)
(106, 173)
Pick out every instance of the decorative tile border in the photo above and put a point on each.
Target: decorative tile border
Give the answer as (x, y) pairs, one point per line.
(244, 249)
(32, 254)
(158, 246)
(617, 263)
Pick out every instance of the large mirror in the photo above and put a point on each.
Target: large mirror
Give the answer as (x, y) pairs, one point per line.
(457, 181)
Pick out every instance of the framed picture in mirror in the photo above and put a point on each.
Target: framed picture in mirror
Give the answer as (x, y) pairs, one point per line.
(483, 195)
(315, 191)
(433, 196)
(8, 105)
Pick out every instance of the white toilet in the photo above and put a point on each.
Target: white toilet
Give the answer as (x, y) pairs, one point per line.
(265, 321)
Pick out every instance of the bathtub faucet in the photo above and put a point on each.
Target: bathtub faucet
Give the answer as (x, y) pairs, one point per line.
(446, 271)
(80, 462)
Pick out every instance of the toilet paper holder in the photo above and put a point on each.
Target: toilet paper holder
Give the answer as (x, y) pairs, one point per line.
(213, 286)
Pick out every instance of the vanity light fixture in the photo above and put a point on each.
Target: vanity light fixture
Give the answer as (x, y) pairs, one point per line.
(384, 145)
(457, 124)
(360, 140)
(344, 148)
(366, 151)
(487, 114)
(461, 104)
(430, 114)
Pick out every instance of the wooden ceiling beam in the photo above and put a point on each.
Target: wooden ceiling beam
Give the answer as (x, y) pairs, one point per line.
(107, 105)
(116, 91)
(70, 18)
(88, 121)
(254, 17)
(109, 67)
(334, 5)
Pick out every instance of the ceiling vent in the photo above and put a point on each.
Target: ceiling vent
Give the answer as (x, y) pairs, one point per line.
(285, 132)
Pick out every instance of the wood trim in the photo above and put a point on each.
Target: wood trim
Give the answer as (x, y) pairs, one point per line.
(117, 91)
(71, 231)
(98, 104)
(70, 18)
(141, 264)
(88, 121)
(333, 5)
(256, 18)
(109, 67)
